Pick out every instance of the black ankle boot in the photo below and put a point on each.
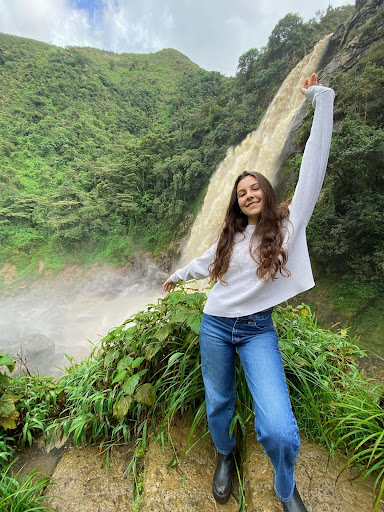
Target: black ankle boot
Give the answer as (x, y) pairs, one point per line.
(221, 486)
(295, 504)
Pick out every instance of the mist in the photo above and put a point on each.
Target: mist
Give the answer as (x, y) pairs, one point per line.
(69, 313)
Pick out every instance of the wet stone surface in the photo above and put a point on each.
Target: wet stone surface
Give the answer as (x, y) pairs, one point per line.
(317, 480)
(82, 482)
(40, 455)
(183, 488)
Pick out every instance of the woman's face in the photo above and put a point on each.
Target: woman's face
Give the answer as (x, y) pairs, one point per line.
(250, 198)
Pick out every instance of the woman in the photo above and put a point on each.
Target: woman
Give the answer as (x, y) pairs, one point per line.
(260, 260)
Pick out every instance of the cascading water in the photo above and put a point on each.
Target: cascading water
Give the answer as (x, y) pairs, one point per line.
(262, 151)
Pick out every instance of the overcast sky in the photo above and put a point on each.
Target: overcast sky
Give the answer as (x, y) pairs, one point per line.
(212, 33)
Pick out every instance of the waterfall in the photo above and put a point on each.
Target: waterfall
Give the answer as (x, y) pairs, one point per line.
(261, 151)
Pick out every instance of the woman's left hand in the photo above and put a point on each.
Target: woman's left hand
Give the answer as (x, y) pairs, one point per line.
(168, 285)
(308, 82)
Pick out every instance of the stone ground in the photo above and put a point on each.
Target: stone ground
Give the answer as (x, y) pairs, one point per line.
(82, 482)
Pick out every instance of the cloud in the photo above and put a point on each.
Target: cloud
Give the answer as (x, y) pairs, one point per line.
(134, 26)
(212, 33)
(55, 22)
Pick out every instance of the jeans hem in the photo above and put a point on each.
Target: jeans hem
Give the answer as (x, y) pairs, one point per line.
(284, 500)
(221, 453)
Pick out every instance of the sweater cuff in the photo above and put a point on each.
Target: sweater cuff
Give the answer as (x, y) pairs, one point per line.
(174, 278)
(312, 92)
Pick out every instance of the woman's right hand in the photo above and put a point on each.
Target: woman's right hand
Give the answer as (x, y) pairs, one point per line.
(308, 82)
(168, 285)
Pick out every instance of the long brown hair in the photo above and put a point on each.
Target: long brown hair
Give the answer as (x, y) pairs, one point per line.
(268, 253)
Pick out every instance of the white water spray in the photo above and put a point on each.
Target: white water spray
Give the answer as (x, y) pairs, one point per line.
(260, 151)
(59, 315)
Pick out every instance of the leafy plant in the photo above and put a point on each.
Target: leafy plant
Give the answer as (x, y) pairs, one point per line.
(39, 401)
(8, 412)
(6, 448)
(27, 405)
(149, 368)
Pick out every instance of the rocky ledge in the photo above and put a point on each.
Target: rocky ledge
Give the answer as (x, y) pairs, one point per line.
(82, 482)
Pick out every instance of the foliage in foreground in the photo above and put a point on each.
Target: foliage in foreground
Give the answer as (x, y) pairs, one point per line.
(22, 494)
(147, 370)
(27, 404)
(8, 412)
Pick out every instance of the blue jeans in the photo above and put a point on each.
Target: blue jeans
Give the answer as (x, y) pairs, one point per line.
(254, 337)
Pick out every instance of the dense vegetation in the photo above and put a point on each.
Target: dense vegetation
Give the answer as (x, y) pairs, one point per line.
(87, 150)
(102, 154)
(147, 371)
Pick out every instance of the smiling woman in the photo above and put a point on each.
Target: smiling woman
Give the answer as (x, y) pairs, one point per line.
(253, 203)
(260, 260)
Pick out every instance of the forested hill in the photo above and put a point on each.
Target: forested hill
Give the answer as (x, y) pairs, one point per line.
(87, 142)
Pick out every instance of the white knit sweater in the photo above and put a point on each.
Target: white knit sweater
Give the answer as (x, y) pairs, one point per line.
(244, 292)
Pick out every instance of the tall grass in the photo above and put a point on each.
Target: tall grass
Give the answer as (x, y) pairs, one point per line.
(359, 427)
(22, 494)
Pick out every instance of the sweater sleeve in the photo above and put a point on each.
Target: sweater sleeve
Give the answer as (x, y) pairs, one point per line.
(315, 158)
(197, 268)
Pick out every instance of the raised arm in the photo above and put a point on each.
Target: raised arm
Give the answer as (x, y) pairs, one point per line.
(315, 158)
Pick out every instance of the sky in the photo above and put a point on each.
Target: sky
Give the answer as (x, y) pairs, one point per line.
(212, 33)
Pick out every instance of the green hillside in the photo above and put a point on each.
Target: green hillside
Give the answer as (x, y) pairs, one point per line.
(80, 132)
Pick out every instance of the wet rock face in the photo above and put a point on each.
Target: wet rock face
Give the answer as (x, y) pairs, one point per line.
(321, 480)
(82, 483)
(350, 41)
(183, 488)
(323, 486)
